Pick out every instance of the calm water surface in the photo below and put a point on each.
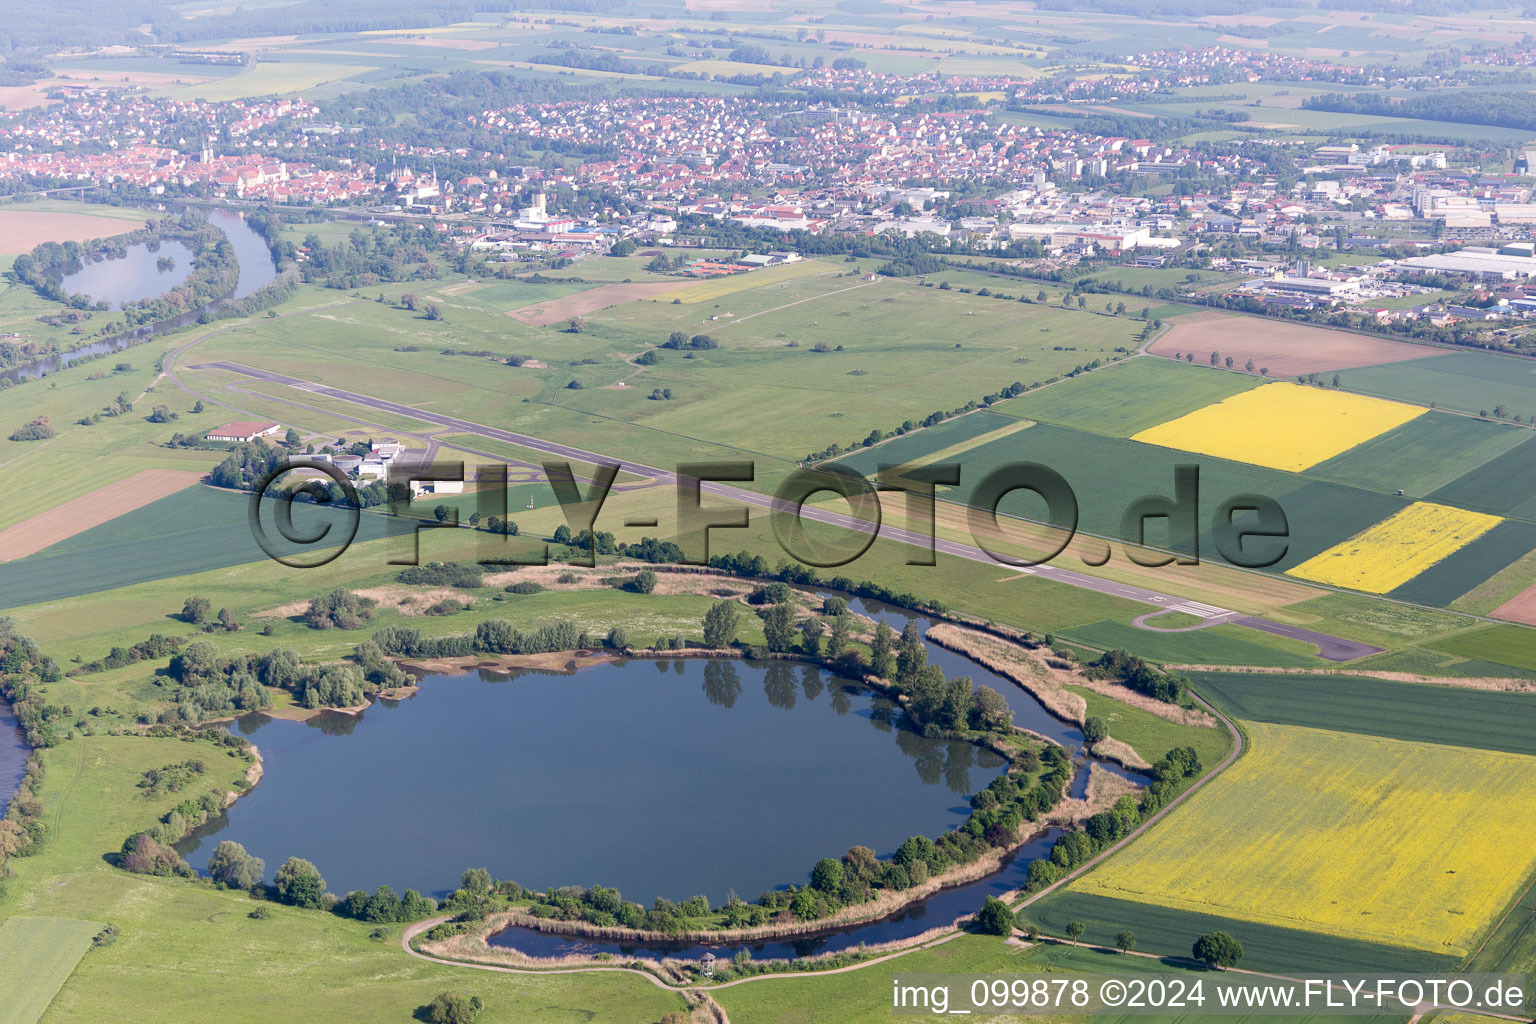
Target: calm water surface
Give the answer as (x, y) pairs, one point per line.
(13, 754)
(256, 270)
(132, 276)
(662, 778)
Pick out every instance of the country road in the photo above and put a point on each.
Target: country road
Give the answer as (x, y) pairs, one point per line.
(1331, 648)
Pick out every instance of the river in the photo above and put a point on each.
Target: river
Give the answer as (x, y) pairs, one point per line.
(13, 754)
(256, 270)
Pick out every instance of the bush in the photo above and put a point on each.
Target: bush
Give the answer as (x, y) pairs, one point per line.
(644, 582)
(233, 868)
(444, 574)
(526, 587)
(454, 1008)
(995, 918)
(39, 429)
(340, 608)
(298, 882)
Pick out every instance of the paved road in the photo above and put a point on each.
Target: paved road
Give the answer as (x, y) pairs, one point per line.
(1330, 647)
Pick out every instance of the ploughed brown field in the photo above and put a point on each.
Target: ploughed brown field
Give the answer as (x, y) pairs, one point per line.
(23, 230)
(99, 506)
(1287, 349)
(1520, 608)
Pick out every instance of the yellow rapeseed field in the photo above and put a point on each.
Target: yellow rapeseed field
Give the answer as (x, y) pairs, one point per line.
(1282, 425)
(1395, 550)
(1410, 844)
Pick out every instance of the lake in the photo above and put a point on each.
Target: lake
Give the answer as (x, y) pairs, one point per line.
(256, 270)
(140, 273)
(661, 778)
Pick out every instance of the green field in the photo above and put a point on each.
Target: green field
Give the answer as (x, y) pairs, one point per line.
(1509, 645)
(1127, 399)
(37, 955)
(1214, 645)
(514, 294)
(1424, 455)
(1369, 619)
(1152, 736)
(1108, 473)
(189, 532)
(1444, 582)
(1265, 947)
(1464, 381)
(1505, 485)
(1480, 719)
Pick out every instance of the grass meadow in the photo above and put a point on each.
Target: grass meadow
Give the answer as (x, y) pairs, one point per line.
(1129, 398)
(37, 955)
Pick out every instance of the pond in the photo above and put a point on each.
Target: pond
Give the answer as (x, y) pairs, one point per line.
(256, 270)
(142, 272)
(661, 778)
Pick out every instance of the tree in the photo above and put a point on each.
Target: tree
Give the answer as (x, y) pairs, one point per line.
(881, 650)
(441, 513)
(454, 1008)
(1126, 940)
(837, 641)
(196, 610)
(298, 882)
(1094, 730)
(827, 875)
(433, 311)
(778, 627)
(1218, 949)
(475, 880)
(1215, 358)
(197, 406)
(720, 624)
(617, 639)
(645, 581)
(994, 918)
(409, 300)
(292, 439)
(803, 906)
(233, 868)
(227, 620)
(1075, 930)
(810, 636)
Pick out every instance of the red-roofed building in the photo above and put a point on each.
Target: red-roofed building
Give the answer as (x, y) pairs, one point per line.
(242, 431)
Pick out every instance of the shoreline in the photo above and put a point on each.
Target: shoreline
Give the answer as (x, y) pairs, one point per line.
(870, 912)
(864, 914)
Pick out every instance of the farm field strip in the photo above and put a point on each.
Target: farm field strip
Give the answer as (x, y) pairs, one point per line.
(1394, 551)
(1266, 947)
(1286, 349)
(1281, 425)
(1412, 712)
(37, 955)
(91, 510)
(1311, 815)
